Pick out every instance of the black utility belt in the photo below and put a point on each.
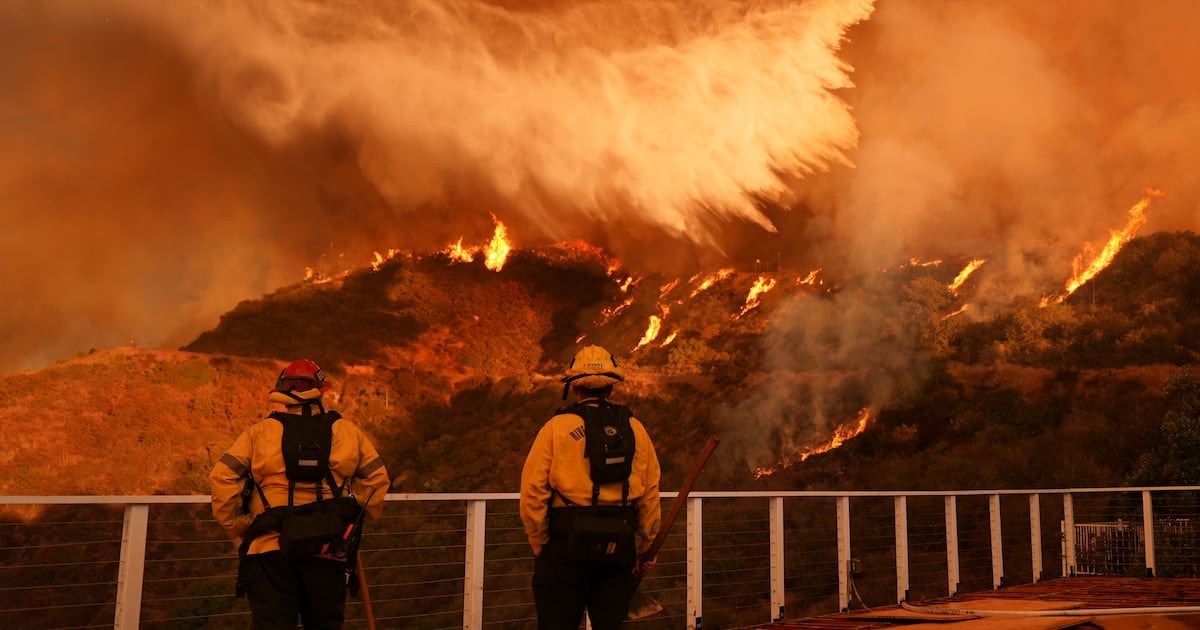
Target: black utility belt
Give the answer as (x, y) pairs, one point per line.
(563, 519)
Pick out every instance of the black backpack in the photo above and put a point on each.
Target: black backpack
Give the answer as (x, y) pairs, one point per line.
(320, 526)
(603, 534)
(609, 442)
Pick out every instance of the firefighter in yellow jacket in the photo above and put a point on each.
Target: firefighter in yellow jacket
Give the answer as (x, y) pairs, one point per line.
(589, 501)
(305, 583)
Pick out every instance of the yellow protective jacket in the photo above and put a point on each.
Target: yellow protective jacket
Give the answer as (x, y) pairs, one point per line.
(257, 451)
(557, 460)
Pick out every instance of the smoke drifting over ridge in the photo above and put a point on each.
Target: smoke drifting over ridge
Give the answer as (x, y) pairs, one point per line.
(161, 161)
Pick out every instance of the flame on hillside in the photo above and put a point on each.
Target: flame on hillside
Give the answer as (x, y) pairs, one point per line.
(458, 253)
(710, 280)
(810, 279)
(965, 273)
(1085, 270)
(839, 437)
(671, 337)
(382, 258)
(962, 309)
(667, 288)
(761, 286)
(652, 330)
(495, 253)
(327, 271)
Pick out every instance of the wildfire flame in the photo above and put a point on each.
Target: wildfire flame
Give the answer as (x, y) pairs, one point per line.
(712, 279)
(382, 258)
(652, 331)
(965, 273)
(609, 312)
(761, 286)
(458, 253)
(962, 309)
(495, 252)
(811, 278)
(840, 435)
(1116, 240)
(671, 337)
(667, 288)
(316, 275)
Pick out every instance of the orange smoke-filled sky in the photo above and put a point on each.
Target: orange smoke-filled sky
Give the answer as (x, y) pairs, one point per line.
(162, 161)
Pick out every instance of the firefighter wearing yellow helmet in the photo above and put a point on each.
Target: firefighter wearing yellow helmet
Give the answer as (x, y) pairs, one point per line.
(589, 500)
(293, 492)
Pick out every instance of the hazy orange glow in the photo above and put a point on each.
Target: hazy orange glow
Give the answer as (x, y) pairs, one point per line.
(839, 437)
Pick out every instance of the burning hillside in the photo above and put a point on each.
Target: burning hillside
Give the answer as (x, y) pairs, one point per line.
(448, 362)
(174, 159)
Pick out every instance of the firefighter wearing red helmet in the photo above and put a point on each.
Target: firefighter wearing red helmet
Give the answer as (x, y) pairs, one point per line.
(589, 501)
(291, 564)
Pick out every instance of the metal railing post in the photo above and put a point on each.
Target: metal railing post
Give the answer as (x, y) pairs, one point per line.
(695, 562)
(843, 552)
(1148, 527)
(1068, 535)
(473, 577)
(1035, 535)
(776, 526)
(901, 548)
(952, 566)
(997, 541)
(133, 566)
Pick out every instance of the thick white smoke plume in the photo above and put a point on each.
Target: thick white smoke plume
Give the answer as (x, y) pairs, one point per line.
(164, 160)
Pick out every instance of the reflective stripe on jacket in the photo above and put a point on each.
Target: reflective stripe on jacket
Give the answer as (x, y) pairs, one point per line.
(258, 450)
(557, 460)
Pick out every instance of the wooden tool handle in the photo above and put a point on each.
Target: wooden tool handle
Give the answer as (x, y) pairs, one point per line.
(679, 501)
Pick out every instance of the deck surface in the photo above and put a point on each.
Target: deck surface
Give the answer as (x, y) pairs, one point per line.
(1095, 597)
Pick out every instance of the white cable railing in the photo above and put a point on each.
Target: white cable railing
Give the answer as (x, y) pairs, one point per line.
(449, 561)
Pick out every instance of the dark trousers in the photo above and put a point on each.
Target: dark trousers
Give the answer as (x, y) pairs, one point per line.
(281, 589)
(563, 588)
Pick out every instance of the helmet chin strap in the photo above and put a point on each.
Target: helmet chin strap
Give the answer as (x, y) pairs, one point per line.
(306, 402)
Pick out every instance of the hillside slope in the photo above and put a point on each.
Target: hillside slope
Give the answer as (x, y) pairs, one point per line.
(453, 367)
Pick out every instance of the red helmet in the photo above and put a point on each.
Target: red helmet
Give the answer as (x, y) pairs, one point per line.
(301, 375)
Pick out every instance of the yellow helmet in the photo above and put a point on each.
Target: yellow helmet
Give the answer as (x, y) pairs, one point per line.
(593, 367)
